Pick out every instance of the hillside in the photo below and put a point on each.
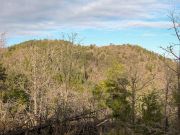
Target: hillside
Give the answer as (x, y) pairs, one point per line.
(95, 60)
(55, 79)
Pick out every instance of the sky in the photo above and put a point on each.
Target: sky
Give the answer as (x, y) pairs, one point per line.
(101, 22)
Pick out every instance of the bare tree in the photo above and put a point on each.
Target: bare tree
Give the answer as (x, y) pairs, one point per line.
(2, 40)
(175, 55)
(2, 43)
(168, 83)
(137, 83)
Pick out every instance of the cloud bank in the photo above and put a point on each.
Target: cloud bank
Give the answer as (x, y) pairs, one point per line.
(40, 16)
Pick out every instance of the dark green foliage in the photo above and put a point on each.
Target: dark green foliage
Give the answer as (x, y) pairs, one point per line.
(17, 89)
(151, 108)
(3, 74)
(100, 94)
(16, 95)
(118, 98)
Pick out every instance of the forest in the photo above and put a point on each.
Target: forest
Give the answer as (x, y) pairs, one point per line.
(61, 87)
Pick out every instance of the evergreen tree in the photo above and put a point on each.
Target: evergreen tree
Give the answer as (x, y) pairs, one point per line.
(118, 98)
(151, 108)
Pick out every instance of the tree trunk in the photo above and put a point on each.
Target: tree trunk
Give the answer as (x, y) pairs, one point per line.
(133, 105)
(35, 103)
(178, 74)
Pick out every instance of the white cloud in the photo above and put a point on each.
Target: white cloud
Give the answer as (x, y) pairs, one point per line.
(34, 16)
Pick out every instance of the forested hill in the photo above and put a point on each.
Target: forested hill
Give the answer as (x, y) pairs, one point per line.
(57, 81)
(91, 62)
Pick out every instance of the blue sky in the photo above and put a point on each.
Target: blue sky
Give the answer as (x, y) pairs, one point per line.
(101, 22)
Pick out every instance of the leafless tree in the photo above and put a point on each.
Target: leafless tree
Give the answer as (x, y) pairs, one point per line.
(2, 40)
(137, 84)
(175, 55)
